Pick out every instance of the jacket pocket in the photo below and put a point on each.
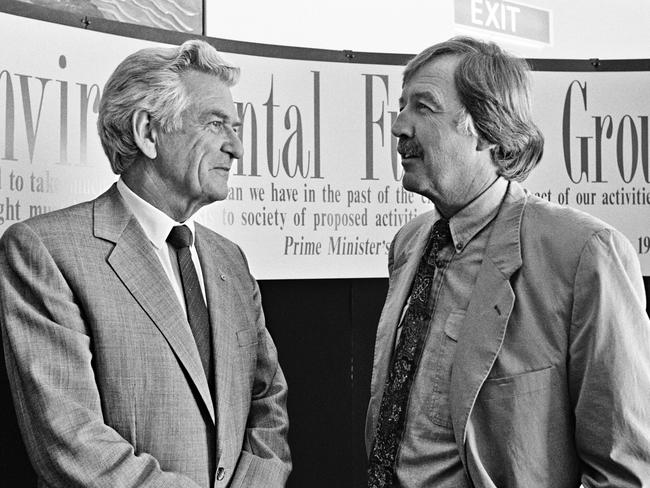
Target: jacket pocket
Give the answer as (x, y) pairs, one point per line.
(521, 430)
(516, 385)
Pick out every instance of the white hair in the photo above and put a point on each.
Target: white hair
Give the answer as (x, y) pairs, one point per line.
(150, 80)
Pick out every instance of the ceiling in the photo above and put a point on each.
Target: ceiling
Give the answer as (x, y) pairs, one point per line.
(578, 29)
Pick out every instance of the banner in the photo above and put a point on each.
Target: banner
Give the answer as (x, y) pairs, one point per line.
(317, 193)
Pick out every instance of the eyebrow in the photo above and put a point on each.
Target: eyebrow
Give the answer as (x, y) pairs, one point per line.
(428, 96)
(223, 115)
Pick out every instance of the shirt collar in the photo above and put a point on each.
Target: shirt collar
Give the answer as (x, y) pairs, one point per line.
(155, 223)
(472, 218)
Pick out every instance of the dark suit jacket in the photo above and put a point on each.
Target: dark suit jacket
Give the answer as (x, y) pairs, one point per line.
(106, 377)
(550, 383)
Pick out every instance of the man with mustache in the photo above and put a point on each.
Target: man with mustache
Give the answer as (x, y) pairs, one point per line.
(514, 348)
(135, 340)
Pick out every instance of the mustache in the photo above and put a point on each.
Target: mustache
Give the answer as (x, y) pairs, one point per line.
(409, 146)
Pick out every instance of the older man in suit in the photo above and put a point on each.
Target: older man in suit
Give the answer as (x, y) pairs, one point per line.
(134, 337)
(514, 348)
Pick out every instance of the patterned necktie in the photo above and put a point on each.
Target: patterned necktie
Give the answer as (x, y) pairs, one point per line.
(406, 358)
(180, 238)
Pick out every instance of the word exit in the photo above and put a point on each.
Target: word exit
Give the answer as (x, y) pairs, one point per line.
(506, 18)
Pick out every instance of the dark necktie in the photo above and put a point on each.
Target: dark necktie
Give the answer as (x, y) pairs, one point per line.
(180, 238)
(404, 366)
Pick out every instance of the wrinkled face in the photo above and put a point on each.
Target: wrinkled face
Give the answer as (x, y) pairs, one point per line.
(440, 161)
(194, 161)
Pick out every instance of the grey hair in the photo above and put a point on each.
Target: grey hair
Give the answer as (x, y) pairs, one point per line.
(465, 123)
(494, 89)
(150, 80)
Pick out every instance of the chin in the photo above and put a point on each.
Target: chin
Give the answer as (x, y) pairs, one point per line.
(216, 194)
(220, 196)
(410, 183)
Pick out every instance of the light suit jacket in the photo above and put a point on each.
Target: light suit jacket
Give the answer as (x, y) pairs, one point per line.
(106, 377)
(550, 383)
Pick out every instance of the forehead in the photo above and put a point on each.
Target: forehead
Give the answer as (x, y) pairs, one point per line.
(434, 79)
(207, 93)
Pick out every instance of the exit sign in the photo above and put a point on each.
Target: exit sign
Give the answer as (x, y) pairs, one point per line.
(509, 18)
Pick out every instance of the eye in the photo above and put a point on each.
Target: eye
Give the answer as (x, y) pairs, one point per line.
(217, 124)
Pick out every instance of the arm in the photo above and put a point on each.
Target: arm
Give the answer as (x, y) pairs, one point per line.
(48, 353)
(265, 461)
(610, 365)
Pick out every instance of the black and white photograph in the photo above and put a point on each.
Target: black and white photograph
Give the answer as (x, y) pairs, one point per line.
(325, 245)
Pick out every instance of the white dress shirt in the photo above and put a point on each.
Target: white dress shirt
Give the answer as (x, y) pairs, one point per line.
(157, 225)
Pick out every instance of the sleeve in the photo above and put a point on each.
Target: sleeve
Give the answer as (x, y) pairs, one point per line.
(265, 461)
(609, 365)
(49, 364)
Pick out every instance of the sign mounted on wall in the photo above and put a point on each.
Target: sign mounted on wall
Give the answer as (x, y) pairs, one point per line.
(511, 18)
(318, 192)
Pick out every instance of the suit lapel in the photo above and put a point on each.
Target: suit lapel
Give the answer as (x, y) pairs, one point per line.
(488, 312)
(134, 261)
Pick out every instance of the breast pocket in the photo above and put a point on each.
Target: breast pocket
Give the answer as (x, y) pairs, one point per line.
(243, 364)
(247, 337)
(247, 351)
(439, 362)
(453, 324)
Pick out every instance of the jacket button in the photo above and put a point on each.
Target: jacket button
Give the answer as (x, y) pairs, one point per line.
(221, 473)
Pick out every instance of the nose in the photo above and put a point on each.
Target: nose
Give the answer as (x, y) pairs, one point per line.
(233, 145)
(401, 126)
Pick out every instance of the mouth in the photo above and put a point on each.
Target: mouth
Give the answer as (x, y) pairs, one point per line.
(408, 150)
(407, 157)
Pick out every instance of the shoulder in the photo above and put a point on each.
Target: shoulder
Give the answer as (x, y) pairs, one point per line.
(563, 224)
(567, 235)
(61, 225)
(562, 218)
(46, 248)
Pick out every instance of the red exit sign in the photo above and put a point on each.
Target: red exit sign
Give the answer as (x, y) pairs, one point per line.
(514, 19)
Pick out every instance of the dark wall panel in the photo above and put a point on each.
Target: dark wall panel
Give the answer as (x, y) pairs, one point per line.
(324, 331)
(15, 469)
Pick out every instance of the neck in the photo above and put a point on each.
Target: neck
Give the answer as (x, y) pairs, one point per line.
(156, 192)
(448, 210)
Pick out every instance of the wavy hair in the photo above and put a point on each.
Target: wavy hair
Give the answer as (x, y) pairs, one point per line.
(150, 80)
(494, 89)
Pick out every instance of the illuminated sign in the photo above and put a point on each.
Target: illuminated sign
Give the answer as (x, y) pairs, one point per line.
(509, 18)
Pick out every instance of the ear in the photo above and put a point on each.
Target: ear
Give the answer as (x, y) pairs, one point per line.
(145, 133)
(482, 144)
